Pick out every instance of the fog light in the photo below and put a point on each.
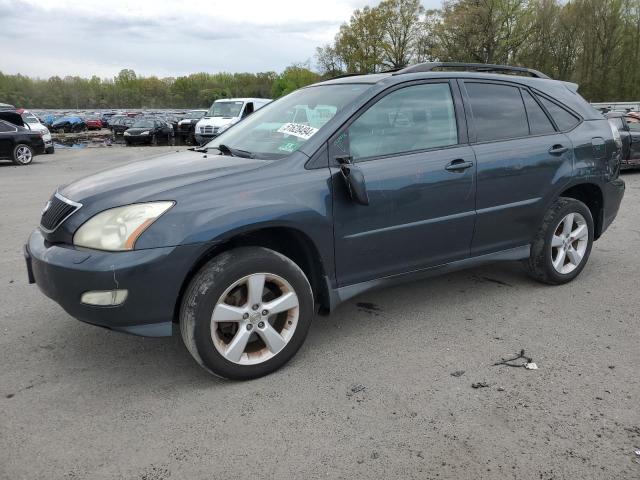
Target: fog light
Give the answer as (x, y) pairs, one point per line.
(104, 298)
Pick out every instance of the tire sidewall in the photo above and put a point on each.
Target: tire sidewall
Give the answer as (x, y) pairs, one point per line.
(571, 206)
(237, 264)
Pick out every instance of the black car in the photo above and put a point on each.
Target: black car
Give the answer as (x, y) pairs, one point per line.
(119, 124)
(17, 142)
(390, 178)
(187, 126)
(150, 131)
(628, 125)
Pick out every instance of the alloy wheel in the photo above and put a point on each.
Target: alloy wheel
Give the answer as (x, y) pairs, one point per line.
(24, 155)
(569, 243)
(255, 318)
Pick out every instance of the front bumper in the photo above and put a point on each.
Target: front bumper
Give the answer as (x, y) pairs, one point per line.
(153, 278)
(137, 139)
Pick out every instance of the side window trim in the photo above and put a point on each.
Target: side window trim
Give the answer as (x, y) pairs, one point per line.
(544, 110)
(457, 107)
(537, 93)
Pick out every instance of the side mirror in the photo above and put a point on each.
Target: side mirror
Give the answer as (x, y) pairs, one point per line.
(354, 178)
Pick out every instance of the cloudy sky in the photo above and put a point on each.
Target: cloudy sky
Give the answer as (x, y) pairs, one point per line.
(165, 37)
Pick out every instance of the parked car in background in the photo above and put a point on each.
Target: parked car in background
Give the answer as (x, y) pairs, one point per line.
(49, 118)
(187, 126)
(17, 142)
(6, 106)
(150, 131)
(93, 123)
(223, 114)
(69, 124)
(119, 124)
(105, 118)
(628, 125)
(393, 177)
(34, 124)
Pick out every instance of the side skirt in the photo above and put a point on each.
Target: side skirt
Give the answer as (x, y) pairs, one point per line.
(341, 294)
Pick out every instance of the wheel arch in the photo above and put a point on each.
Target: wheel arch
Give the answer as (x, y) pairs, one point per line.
(591, 195)
(290, 242)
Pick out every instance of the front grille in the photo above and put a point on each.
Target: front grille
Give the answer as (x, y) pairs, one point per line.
(208, 130)
(58, 211)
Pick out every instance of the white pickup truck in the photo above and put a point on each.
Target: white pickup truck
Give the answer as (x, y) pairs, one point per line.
(224, 113)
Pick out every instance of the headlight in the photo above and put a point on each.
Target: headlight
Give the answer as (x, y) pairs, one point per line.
(126, 134)
(146, 132)
(117, 229)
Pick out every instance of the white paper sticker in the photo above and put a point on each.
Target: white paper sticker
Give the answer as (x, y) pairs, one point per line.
(301, 131)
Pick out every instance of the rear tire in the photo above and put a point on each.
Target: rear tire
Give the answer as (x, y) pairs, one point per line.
(246, 313)
(22, 154)
(563, 244)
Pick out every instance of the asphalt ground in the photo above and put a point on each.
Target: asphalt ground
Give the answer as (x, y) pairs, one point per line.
(370, 395)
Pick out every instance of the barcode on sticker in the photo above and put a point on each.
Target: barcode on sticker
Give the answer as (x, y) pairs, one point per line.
(297, 130)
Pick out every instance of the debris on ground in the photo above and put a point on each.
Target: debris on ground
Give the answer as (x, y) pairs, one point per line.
(479, 385)
(514, 362)
(356, 388)
(457, 373)
(637, 452)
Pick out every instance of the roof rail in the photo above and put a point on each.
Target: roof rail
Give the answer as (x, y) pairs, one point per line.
(479, 67)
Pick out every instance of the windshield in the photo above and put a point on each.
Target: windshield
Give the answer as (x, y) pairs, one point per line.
(225, 109)
(29, 118)
(142, 124)
(282, 127)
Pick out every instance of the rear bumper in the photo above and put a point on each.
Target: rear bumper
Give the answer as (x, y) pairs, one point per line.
(613, 192)
(138, 140)
(153, 278)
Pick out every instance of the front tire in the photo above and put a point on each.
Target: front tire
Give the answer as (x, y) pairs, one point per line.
(246, 313)
(22, 154)
(563, 244)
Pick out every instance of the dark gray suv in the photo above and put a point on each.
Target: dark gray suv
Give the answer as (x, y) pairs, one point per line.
(347, 185)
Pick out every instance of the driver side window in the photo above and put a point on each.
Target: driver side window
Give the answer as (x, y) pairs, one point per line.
(414, 118)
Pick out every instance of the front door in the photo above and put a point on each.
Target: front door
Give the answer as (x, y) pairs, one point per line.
(420, 179)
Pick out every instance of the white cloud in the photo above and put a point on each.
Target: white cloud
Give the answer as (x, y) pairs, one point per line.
(165, 37)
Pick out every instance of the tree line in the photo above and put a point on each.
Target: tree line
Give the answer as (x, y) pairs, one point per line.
(595, 43)
(128, 90)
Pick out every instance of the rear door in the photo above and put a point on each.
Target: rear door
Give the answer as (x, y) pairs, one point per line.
(520, 155)
(421, 210)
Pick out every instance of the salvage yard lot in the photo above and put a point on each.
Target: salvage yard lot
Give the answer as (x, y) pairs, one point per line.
(370, 394)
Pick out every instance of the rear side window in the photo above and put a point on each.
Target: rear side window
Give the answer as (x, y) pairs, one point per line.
(564, 120)
(5, 128)
(539, 123)
(498, 111)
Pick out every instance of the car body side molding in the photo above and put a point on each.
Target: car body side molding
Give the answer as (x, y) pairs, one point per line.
(339, 295)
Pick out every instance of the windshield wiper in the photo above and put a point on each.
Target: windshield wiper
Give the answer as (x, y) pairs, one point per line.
(234, 152)
(225, 150)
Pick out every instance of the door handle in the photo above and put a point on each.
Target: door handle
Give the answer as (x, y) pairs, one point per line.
(558, 150)
(458, 165)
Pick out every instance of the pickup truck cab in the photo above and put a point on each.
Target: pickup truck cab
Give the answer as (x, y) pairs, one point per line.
(223, 114)
(629, 127)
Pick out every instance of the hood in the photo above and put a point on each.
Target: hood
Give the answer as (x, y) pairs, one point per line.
(138, 131)
(12, 117)
(153, 179)
(38, 127)
(215, 121)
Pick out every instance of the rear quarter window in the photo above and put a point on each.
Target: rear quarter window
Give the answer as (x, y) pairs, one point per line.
(564, 119)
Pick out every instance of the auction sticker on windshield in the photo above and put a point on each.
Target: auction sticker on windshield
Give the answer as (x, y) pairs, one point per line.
(298, 130)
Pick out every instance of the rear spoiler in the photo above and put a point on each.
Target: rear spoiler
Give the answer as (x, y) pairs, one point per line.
(572, 87)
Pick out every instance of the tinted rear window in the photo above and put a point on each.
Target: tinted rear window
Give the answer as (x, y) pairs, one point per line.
(498, 111)
(564, 120)
(539, 123)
